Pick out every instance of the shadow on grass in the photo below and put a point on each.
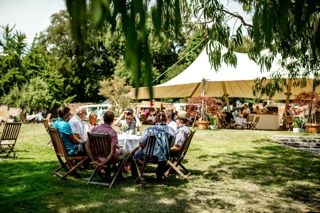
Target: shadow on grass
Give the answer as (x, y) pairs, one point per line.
(31, 187)
(304, 193)
(275, 166)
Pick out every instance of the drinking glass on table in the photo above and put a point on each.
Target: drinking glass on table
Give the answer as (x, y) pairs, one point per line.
(130, 132)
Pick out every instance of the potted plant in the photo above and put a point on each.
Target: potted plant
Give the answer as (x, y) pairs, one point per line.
(205, 106)
(298, 124)
(312, 99)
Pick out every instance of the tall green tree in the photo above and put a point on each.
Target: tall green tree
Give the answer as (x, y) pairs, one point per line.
(115, 89)
(12, 50)
(33, 96)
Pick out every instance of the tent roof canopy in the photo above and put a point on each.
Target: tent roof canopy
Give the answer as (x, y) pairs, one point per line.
(235, 81)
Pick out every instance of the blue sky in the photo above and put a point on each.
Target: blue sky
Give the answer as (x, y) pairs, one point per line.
(29, 16)
(33, 16)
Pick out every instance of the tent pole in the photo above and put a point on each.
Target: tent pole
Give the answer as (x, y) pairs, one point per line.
(288, 94)
(226, 96)
(195, 89)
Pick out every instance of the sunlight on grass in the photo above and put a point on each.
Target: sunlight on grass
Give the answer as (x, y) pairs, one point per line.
(83, 207)
(232, 171)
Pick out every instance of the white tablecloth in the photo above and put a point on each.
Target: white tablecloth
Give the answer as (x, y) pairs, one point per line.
(240, 121)
(129, 142)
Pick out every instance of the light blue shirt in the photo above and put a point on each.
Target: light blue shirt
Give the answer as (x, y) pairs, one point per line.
(181, 135)
(65, 131)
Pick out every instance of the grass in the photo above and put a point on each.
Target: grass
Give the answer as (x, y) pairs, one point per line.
(232, 171)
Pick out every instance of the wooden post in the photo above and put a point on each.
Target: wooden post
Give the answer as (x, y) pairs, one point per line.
(225, 94)
(288, 94)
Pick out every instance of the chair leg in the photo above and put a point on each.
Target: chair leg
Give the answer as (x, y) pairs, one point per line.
(187, 173)
(10, 149)
(63, 164)
(56, 172)
(173, 166)
(74, 168)
(121, 164)
(138, 170)
(96, 182)
(168, 171)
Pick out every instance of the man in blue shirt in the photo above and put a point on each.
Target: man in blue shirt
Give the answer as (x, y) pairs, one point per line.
(69, 140)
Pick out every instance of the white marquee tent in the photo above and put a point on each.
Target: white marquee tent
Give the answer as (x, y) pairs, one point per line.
(227, 80)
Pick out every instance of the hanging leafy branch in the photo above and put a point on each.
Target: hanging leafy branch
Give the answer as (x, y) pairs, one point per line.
(132, 16)
(283, 26)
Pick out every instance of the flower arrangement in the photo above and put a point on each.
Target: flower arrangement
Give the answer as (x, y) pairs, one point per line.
(201, 107)
(208, 105)
(313, 100)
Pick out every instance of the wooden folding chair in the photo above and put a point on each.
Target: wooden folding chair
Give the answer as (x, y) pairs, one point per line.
(289, 123)
(100, 146)
(255, 122)
(68, 163)
(47, 126)
(148, 157)
(249, 122)
(176, 160)
(9, 138)
(2, 122)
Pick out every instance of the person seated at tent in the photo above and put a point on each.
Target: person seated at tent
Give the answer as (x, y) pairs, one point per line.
(192, 118)
(128, 121)
(170, 121)
(257, 110)
(182, 132)
(70, 141)
(152, 118)
(229, 119)
(245, 111)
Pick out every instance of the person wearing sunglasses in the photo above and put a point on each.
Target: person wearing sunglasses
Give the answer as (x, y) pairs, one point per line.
(128, 121)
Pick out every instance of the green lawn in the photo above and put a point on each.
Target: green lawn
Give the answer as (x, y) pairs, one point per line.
(232, 171)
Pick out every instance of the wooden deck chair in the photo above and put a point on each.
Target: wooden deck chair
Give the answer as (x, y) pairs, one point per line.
(176, 160)
(249, 122)
(100, 146)
(68, 163)
(148, 157)
(9, 138)
(255, 122)
(289, 123)
(47, 126)
(48, 117)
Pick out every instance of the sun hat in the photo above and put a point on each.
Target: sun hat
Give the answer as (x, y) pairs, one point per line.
(182, 115)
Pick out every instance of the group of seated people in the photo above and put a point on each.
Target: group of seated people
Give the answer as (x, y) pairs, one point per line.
(73, 131)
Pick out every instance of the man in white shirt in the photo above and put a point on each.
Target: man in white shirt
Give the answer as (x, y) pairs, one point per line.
(79, 126)
(128, 121)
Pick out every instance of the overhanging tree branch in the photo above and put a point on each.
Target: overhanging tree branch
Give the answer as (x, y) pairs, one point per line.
(238, 17)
